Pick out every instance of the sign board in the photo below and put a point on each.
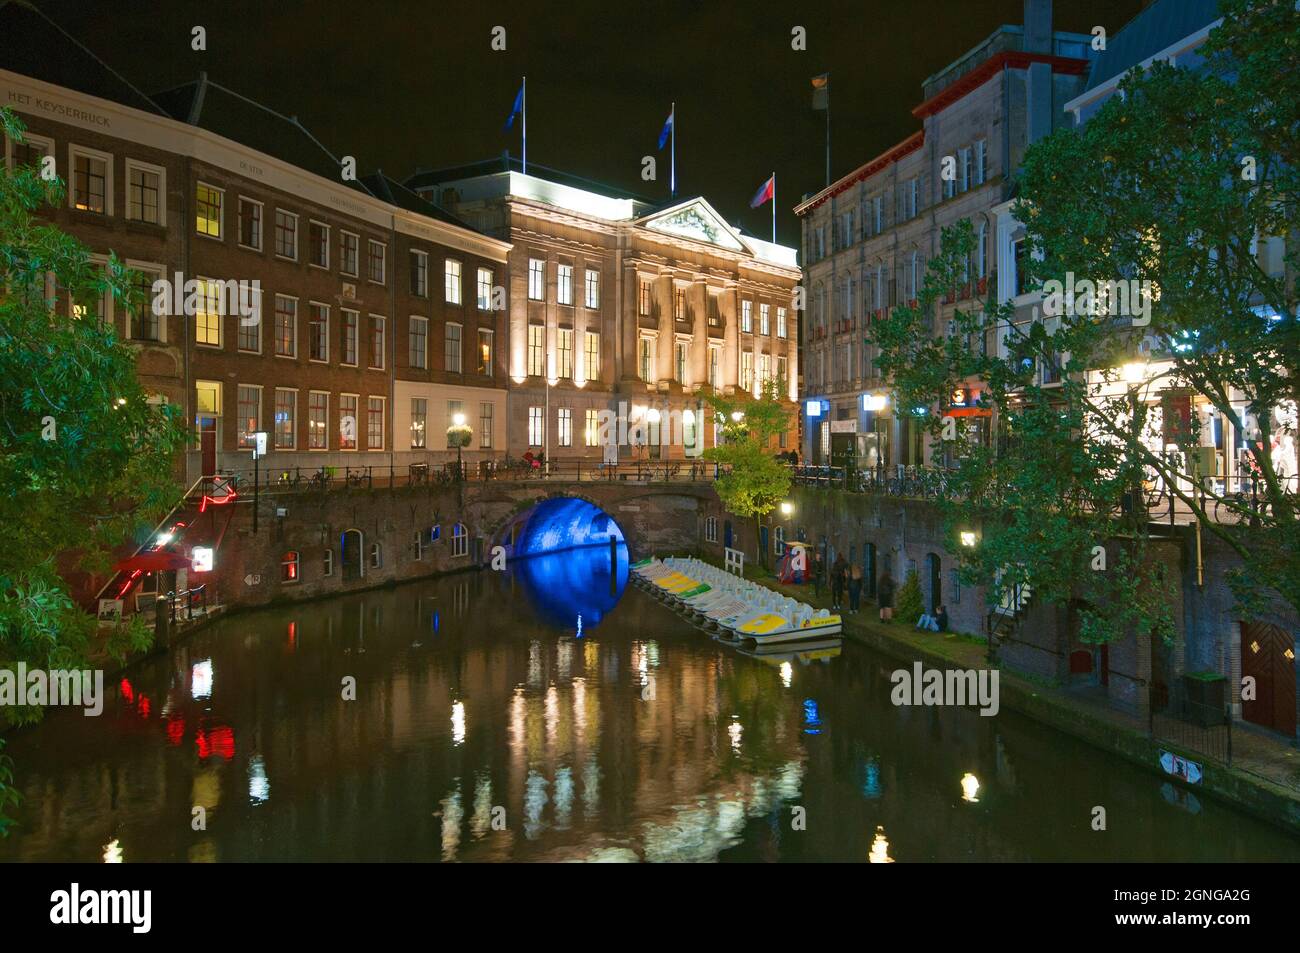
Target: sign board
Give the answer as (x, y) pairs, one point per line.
(201, 559)
(110, 610)
(253, 579)
(1180, 767)
(844, 426)
(259, 444)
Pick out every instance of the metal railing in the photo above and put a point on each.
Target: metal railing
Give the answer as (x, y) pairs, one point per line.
(326, 478)
(1183, 721)
(1224, 499)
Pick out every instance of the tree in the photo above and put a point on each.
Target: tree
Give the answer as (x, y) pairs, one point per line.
(85, 458)
(1160, 213)
(909, 603)
(753, 481)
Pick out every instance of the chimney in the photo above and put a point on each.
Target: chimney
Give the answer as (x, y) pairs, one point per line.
(1038, 26)
(1038, 81)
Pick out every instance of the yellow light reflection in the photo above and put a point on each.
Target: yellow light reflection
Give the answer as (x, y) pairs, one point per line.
(970, 787)
(880, 849)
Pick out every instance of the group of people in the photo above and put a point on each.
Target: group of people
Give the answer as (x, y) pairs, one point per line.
(846, 576)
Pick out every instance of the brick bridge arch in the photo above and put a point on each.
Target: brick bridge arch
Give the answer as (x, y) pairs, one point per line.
(651, 517)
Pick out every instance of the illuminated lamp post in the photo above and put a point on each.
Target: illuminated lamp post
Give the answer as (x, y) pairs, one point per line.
(459, 435)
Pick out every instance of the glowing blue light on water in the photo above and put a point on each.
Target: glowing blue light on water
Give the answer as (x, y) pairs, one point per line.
(811, 719)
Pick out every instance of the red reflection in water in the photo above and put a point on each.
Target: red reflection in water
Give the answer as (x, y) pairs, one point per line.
(128, 692)
(175, 730)
(144, 706)
(219, 741)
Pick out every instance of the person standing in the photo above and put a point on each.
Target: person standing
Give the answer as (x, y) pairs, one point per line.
(885, 597)
(819, 573)
(839, 576)
(855, 588)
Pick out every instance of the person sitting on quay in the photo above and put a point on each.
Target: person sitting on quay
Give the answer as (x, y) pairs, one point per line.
(934, 623)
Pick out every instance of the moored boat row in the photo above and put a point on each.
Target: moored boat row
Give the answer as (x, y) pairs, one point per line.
(734, 608)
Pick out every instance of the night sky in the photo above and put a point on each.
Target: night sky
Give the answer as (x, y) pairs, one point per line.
(405, 84)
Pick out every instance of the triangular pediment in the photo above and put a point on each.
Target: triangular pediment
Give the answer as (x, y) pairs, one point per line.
(694, 219)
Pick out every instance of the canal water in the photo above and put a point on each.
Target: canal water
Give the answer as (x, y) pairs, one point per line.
(555, 713)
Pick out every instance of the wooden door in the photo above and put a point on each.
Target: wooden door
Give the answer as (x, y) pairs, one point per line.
(1268, 656)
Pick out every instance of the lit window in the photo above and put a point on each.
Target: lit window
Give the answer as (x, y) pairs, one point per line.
(536, 426)
(536, 279)
(207, 317)
(592, 370)
(376, 556)
(536, 350)
(564, 353)
(781, 330)
(485, 352)
(419, 417)
(592, 297)
(592, 429)
(451, 281)
(484, 285)
(765, 313)
(565, 426)
(459, 540)
(747, 317)
(645, 358)
(485, 417)
(207, 210)
(564, 284)
(289, 566)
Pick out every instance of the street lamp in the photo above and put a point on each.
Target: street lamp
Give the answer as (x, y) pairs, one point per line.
(458, 436)
(787, 508)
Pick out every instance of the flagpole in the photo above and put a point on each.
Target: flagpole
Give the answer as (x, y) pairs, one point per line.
(773, 208)
(524, 109)
(673, 175)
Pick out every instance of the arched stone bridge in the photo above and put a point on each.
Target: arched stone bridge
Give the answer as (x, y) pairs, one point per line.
(651, 517)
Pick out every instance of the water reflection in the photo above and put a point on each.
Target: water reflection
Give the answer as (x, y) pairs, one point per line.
(499, 735)
(573, 589)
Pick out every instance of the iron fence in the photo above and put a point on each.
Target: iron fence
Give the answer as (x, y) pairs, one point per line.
(331, 478)
(1190, 723)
